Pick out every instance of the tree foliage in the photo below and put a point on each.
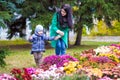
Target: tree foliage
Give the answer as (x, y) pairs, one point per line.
(39, 12)
(36, 10)
(3, 53)
(102, 9)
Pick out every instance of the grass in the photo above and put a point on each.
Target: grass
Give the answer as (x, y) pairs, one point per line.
(13, 42)
(20, 56)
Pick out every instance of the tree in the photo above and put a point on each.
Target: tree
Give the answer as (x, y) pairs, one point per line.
(39, 12)
(7, 10)
(4, 13)
(36, 10)
(102, 9)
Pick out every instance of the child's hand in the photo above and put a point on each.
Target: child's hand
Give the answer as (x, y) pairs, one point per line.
(57, 37)
(30, 37)
(60, 32)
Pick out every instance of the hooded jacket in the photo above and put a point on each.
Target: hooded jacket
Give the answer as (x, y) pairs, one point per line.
(38, 41)
(56, 26)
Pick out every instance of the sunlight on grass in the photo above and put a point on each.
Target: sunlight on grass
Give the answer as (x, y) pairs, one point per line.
(19, 59)
(13, 42)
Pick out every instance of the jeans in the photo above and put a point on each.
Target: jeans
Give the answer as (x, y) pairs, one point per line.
(60, 47)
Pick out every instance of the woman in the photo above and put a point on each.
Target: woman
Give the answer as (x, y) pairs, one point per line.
(61, 23)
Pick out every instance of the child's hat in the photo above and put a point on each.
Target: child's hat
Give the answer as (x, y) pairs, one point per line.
(39, 28)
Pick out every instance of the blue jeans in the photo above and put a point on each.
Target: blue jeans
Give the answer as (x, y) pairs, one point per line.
(60, 47)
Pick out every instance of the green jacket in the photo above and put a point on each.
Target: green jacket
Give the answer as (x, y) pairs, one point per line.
(56, 26)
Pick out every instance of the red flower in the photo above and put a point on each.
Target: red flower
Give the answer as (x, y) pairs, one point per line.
(21, 75)
(16, 71)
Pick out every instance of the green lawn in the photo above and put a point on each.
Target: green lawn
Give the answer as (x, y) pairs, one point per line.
(20, 56)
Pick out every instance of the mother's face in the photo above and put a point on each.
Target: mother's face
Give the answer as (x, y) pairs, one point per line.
(63, 12)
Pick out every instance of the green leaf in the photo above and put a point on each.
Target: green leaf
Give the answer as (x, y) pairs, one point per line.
(2, 24)
(19, 1)
(12, 7)
(5, 15)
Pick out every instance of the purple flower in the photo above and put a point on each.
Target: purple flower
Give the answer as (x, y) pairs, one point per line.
(116, 45)
(105, 78)
(30, 70)
(101, 59)
(6, 77)
(58, 60)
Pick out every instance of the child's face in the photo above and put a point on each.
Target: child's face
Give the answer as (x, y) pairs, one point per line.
(40, 32)
(63, 12)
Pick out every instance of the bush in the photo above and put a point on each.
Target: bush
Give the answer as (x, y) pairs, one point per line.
(103, 30)
(3, 53)
(75, 77)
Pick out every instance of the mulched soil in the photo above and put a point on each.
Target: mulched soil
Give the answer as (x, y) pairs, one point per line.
(27, 46)
(21, 47)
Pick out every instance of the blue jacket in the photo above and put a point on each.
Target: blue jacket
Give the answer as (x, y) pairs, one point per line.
(38, 41)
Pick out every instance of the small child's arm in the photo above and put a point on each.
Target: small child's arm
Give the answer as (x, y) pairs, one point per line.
(57, 37)
(30, 39)
(54, 37)
(49, 38)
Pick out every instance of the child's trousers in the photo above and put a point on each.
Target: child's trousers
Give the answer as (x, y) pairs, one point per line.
(38, 58)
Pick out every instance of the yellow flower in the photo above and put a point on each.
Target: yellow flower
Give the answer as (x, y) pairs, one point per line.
(96, 72)
(68, 72)
(75, 8)
(65, 68)
(73, 69)
(77, 62)
(79, 66)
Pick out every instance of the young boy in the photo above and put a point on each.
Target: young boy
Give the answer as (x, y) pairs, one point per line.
(38, 43)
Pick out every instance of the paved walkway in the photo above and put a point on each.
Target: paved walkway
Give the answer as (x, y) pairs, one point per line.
(72, 37)
(101, 38)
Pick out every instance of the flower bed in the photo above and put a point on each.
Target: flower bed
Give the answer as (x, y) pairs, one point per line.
(102, 63)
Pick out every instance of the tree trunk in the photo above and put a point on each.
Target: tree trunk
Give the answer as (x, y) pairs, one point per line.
(79, 36)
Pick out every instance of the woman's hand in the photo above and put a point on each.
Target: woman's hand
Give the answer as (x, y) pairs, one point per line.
(60, 32)
(57, 37)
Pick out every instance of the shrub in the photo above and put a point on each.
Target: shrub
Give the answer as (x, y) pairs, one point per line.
(3, 53)
(75, 77)
(101, 29)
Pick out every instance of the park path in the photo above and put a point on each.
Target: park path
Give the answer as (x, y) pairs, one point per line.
(97, 38)
(102, 38)
(72, 37)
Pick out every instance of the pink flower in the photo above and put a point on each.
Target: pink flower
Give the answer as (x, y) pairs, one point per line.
(6, 77)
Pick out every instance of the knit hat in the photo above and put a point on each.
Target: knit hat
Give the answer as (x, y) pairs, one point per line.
(39, 28)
